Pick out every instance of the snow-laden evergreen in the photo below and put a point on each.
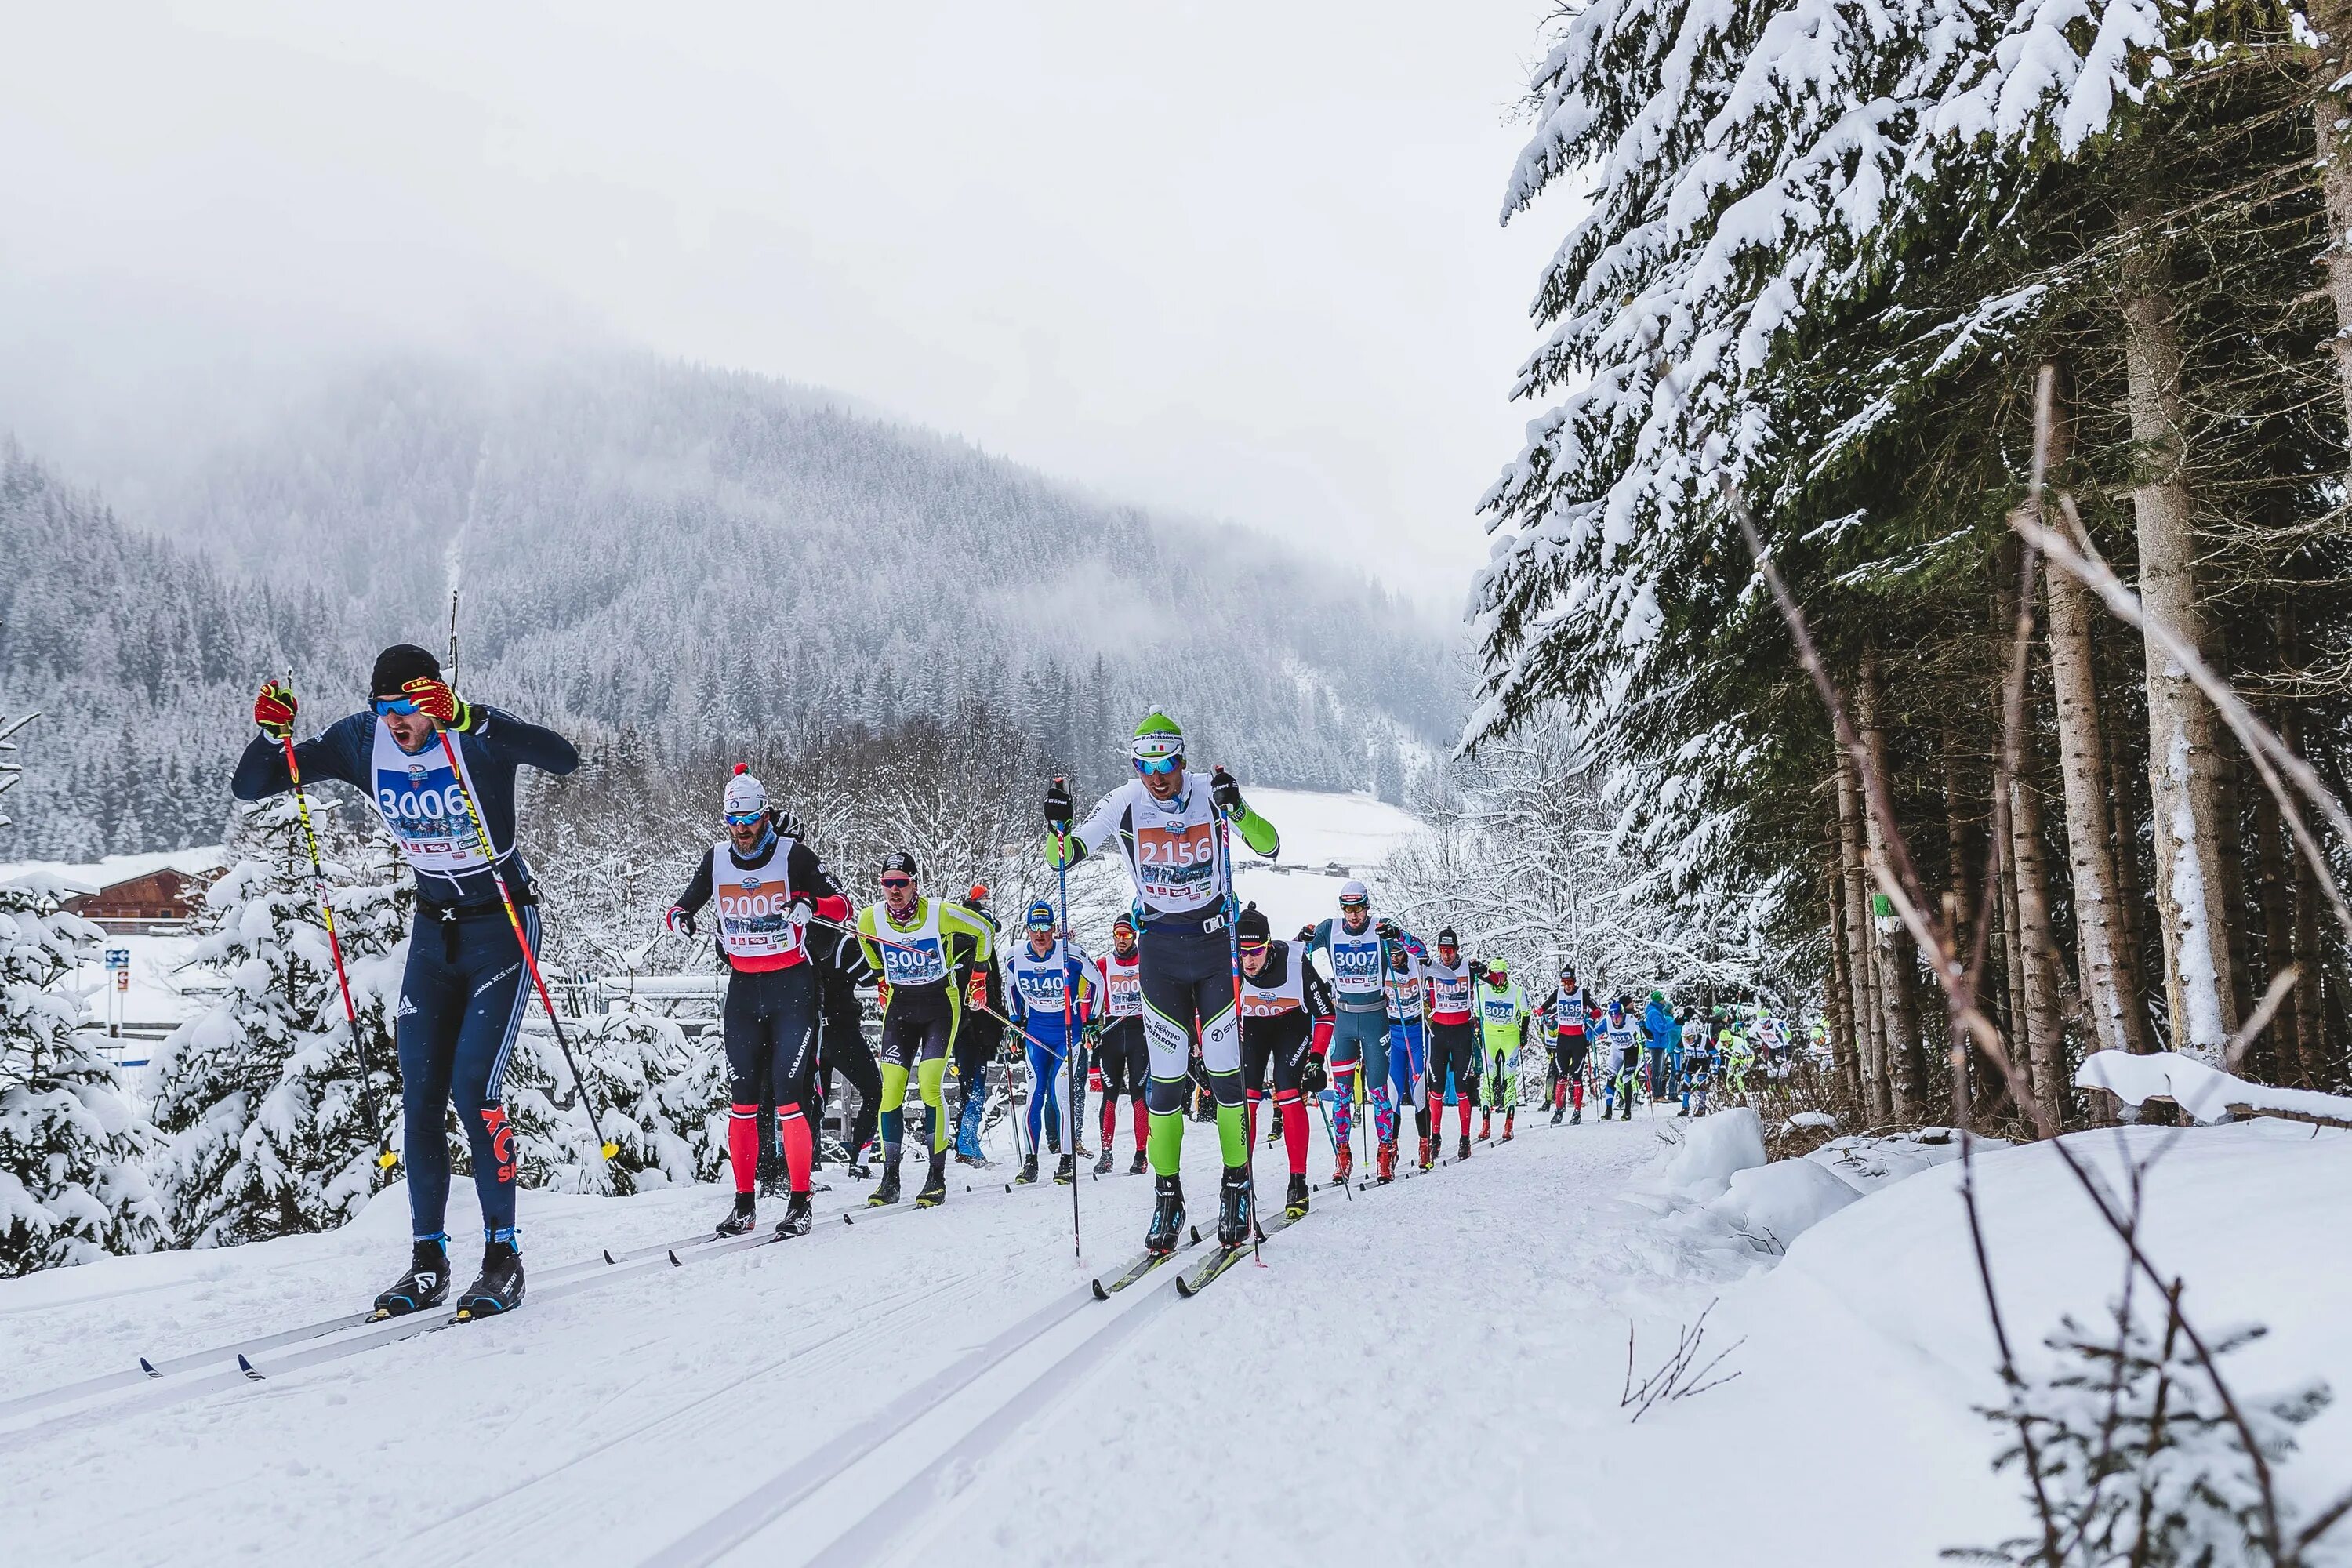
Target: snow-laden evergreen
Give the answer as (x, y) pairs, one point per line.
(260, 1097)
(662, 1098)
(71, 1189)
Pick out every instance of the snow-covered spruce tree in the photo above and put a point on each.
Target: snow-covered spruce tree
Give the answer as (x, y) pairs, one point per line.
(259, 1098)
(72, 1142)
(661, 1098)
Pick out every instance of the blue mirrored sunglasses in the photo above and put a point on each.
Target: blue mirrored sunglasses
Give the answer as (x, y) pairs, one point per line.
(745, 818)
(385, 705)
(1167, 764)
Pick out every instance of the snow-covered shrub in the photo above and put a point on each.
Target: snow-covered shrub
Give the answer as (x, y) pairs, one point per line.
(661, 1098)
(1715, 1149)
(260, 1097)
(2139, 1460)
(72, 1142)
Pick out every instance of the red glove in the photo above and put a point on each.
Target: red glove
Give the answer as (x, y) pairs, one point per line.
(274, 710)
(433, 698)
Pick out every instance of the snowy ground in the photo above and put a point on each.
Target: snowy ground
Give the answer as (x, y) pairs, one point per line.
(1426, 1369)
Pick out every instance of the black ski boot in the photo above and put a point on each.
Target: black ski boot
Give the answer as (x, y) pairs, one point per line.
(1556, 1114)
(499, 1288)
(1028, 1171)
(741, 1219)
(1167, 1215)
(935, 1186)
(1137, 1166)
(1576, 1117)
(1067, 1171)
(885, 1191)
(1102, 1165)
(1293, 1202)
(426, 1283)
(797, 1220)
(1462, 1150)
(1237, 1207)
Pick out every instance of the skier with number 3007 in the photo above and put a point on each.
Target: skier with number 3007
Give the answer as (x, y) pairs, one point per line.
(1166, 827)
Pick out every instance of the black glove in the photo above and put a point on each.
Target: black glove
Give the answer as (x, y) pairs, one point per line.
(1225, 792)
(1389, 931)
(679, 920)
(1312, 1077)
(1477, 969)
(1057, 806)
(1306, 933)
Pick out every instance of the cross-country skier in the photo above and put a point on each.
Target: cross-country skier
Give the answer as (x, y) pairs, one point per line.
(1452, 1042)
(463, 993)
(841, 969)
(766, 888)
(1502, 1029)
(1285, 1007)
(1357, 949)
(1571, 1010)
(1165, 825)
(1621, 1041)
(1051, 981)
(1697, 1065)
(1408, 993)
(914, 942)
(981, 1036)
(1122, 1059)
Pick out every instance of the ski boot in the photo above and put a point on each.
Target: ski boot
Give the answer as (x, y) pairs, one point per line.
(498, 1289)
(1628, 1115)
(1167, 1227)
(1080, 1150)
(1429, 1151)
(935, 1186)
(1028, 1170)
(1237, 1207)
(1509, 1117)
(426, 1283)
(1065, 1171)
(1576, 1117)
(1386, 1168)
(1556, 1114)
(1293, 1202)
(885, 1191)
(741, 1219)
(967, 1143)
(1485, 1125)
(1683, 1112)
(1102, 1165)
(797, 1220)
(1053, 1142)
(1343, 1164)
(1462, 1150)
(1137, 1166)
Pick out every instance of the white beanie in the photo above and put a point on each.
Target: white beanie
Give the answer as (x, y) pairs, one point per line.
(1354, 892)
(745, 793)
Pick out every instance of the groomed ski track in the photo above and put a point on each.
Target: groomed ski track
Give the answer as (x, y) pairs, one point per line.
(881, 1394)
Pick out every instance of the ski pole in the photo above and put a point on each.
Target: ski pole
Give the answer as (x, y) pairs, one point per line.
(529, 959)
(1069, 1043)
(386, 1159)
(1234, 960)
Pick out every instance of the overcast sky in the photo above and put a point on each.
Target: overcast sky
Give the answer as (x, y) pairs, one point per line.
(1238, 258)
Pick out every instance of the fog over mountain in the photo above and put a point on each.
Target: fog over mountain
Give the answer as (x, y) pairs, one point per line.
(717, 561)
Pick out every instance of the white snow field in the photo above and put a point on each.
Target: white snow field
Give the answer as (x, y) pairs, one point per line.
(1425, 1373)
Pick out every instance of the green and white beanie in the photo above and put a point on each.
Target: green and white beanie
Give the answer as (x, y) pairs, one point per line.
(1158, 736)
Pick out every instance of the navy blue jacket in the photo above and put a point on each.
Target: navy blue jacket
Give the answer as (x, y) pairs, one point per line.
(497, 746)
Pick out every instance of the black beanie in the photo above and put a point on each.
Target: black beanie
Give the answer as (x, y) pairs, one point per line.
(1252, 926)
(398, 665)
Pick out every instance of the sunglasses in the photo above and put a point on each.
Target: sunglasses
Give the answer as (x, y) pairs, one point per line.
(385, 705)
(897, 881)
(1158, 764)
(1256, 945)
(745, 818)
(1354, 908)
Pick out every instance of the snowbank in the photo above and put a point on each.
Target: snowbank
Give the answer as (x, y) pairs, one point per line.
(1716, 1149)
(2205, 1092)
(1867, 1347)
(1777, 1203)
(1866, 1165)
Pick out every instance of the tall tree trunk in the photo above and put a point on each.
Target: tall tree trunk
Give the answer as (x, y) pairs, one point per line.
(1907, 1062)
(2110, 991)
(1838, 999)
(2045, 1041)
(2332, 124)
(2309, 972)
(2132, 925)
(2279, 1045)
(1961, 907)
(2183, 773)
(1859, 948)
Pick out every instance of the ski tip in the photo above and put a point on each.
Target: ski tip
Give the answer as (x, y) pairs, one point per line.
(673, 1263)
(148, 1367)
(609, 1258)
(1097, 1287)
(1196, 1233)
(246, 1367)
(846, 1220)
(1184, 1288)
